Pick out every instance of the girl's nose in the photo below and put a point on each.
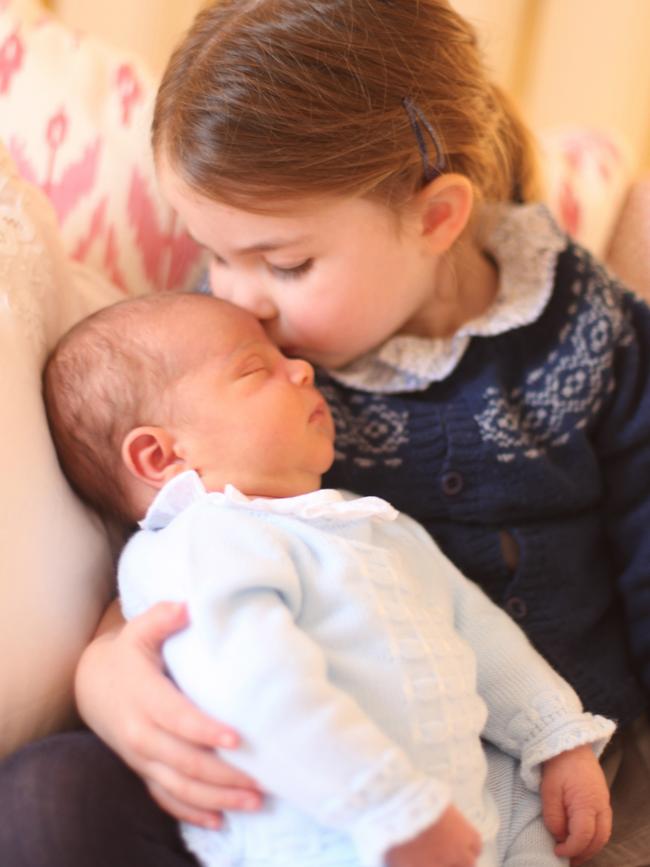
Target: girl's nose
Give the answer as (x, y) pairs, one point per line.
(300, 371)
(244, 293)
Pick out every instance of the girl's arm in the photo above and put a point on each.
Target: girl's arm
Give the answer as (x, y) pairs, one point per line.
(622, 442)
(123, 695)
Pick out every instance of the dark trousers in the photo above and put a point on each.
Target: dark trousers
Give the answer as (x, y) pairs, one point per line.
(68, 801)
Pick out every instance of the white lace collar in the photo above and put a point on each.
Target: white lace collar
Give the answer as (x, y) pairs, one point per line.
(326, 504)
(525, 241)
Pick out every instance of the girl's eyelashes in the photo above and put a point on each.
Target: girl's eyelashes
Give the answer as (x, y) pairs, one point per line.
(294, 271)
(283, 273)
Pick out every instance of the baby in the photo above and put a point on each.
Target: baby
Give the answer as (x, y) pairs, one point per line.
(361, 669)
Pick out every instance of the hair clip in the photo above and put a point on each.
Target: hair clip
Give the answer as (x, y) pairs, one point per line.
(418, 121)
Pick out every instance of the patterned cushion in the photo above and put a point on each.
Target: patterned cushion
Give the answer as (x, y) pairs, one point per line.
(629, 246)
(75, 115)
(587, 175)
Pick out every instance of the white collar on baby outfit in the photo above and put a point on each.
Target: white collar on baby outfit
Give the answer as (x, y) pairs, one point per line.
(525, 241)
(326, 504)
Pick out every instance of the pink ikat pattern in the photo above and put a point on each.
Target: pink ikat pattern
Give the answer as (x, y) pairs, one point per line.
(91, 159)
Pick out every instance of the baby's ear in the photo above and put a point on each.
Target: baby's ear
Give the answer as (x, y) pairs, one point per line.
(149, 454)
(444, 207)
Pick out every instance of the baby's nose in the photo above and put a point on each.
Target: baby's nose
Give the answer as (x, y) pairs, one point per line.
(300, 371)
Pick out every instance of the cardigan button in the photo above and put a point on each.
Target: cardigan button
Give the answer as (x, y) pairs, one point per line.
(452, 483)
(516, 607)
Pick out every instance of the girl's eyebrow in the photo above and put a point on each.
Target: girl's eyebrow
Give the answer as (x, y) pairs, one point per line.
(265, 246)
(259, 247)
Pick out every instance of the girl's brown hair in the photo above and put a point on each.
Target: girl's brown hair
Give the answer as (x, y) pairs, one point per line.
(284, 98)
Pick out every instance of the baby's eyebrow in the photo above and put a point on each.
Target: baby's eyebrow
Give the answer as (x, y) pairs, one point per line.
(241, 356)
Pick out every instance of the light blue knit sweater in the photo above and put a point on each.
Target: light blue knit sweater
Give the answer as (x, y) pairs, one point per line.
(359, 666)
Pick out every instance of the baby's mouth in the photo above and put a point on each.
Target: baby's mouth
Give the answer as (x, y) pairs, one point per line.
(319, 411)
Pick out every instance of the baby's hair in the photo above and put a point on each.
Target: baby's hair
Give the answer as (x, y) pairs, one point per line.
(107, 375)
(277, 99)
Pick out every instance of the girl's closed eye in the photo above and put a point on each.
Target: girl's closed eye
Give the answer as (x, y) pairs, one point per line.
(288, 273)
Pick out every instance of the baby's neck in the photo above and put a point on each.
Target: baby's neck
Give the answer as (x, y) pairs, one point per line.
(267, 490)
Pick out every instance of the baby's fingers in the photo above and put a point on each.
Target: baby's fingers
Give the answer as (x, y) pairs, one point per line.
(554, 811)
(602, 833)
(582, 829)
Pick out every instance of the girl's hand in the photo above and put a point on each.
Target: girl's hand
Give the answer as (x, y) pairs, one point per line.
(576, 804)
(449, 842)
(123, 695)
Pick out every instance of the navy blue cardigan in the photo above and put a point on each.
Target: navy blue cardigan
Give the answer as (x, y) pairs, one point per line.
(542, 432)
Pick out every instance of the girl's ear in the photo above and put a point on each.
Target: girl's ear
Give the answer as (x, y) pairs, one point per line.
(149, 454)
(443, 209)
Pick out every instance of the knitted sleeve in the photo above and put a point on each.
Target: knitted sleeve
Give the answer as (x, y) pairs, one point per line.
(533, 713)
(244, 659)
(622, 442)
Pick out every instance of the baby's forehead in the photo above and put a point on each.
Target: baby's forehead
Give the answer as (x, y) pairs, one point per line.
(196, 330)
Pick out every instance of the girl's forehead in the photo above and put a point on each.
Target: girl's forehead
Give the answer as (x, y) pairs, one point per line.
(264, 212)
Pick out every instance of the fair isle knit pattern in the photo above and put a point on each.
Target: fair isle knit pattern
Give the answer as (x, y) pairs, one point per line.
(568, 393)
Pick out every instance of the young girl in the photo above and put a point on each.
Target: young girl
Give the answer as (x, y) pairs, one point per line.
(362, 187)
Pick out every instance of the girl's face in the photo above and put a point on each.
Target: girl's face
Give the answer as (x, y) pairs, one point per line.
(329, 279)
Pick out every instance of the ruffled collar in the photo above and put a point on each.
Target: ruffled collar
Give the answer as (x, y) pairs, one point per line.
(326, 504)
(524, 241)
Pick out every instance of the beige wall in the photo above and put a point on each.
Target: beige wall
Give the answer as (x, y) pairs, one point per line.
(584, 62)
(148, 27)
(573, 62)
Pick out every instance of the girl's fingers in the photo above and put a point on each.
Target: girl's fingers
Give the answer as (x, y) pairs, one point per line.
(171, 711)
(166, 705)
(185, 761)
(152, 628)
(198, 796)
(182, 812)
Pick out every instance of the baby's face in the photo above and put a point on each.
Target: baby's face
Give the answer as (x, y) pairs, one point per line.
(243, 413)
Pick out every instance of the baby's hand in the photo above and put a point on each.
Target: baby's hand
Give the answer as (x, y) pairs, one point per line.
(576, 805)
(449, 842)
